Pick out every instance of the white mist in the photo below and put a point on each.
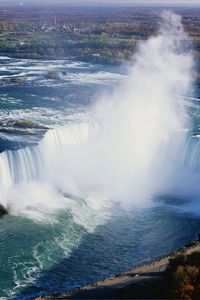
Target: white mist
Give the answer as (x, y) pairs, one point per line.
(128, 152)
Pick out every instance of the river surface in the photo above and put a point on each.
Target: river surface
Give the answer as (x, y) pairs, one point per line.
(66, 246)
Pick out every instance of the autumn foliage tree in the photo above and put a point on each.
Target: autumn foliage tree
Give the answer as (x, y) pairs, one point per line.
(183, 276)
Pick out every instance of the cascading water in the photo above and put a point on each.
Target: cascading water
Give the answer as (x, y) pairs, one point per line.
(191, 153)
(20, 166)
(133, 148)
(33, 163)
(142, 128)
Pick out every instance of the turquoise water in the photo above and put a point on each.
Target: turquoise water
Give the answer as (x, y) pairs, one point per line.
(60, 248)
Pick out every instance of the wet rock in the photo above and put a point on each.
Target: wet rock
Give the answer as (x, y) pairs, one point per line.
(16, 80)
(28, 124)
(52, 75)
(15, 131)
(3, 210)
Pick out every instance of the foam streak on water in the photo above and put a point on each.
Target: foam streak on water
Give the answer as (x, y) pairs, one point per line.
(133, 144)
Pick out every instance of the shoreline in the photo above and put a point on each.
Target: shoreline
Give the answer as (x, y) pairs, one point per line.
(111, 287)
(90, 60)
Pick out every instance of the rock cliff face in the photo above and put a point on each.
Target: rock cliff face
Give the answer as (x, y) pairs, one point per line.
(3, 210)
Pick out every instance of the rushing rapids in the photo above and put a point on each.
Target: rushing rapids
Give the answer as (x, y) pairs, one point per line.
(140, 132)
(105, 190)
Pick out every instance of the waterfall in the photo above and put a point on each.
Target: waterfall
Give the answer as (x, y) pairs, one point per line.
(133, 151)
(31, 163)
(191, 153)
(20, 166)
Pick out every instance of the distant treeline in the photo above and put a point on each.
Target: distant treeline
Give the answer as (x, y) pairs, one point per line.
(94, 35)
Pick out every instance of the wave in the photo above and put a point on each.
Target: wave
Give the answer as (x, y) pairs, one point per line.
(5, 57)
(98, 77)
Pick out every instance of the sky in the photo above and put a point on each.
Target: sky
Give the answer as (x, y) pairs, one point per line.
(101, 2)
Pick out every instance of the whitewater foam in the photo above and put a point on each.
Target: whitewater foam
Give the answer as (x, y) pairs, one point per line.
(126, 153)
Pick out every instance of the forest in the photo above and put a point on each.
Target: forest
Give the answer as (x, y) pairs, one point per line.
(91, 34)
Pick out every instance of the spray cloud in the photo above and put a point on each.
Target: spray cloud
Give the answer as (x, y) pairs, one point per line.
(129, 149)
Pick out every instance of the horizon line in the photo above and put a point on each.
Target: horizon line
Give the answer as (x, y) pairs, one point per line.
(101, 5)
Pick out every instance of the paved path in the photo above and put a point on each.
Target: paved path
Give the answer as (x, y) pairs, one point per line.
(138, 283)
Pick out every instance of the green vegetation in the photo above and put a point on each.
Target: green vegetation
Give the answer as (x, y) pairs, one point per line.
(183, 276)
(96, 35)
(23, 123)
